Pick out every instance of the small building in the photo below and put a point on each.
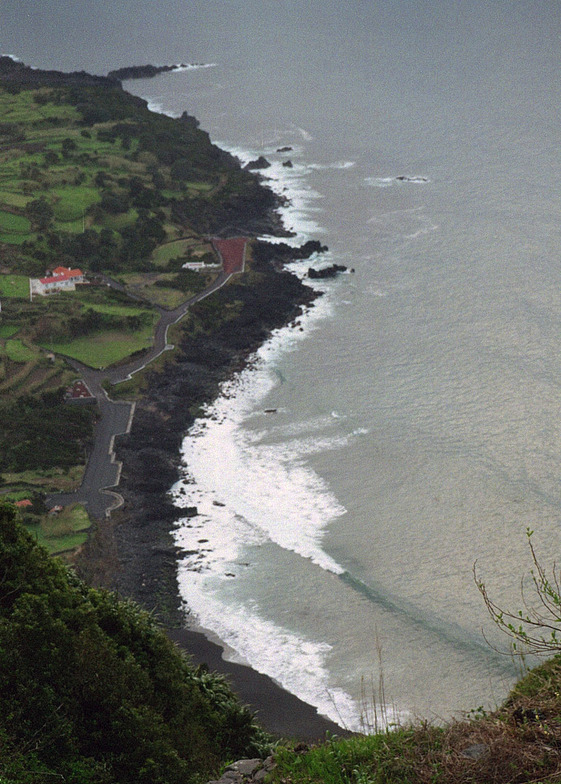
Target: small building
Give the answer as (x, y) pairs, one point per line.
(24, 503)
(201, 265)
(60, 279)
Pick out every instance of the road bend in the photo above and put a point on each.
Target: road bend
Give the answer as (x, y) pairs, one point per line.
(103, 470)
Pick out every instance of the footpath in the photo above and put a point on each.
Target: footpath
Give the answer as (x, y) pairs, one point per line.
(97, 491)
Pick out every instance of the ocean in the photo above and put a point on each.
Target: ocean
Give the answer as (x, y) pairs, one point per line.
(416, 425)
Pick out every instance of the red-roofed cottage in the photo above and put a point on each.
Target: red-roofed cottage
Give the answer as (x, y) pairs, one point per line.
(61, 279)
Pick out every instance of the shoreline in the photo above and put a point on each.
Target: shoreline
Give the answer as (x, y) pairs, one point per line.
(134, 552)
(277, 710)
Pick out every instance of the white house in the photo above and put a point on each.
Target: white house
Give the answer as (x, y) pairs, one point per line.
(61, 279)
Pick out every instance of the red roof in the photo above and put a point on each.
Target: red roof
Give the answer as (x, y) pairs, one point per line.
(24, 502)
(60, 274)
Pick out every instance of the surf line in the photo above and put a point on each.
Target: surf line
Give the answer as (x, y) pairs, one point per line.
(449, 633)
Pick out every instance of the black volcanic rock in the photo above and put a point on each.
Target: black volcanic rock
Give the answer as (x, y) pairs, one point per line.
(17, 73)
(259, 163)
(151, 451)
(283, 253)
(143, 71)
(327, 272)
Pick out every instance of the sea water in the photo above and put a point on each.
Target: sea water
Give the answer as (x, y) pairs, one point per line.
(416, 406)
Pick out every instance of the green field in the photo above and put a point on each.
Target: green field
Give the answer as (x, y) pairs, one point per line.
(117, 310)
(106, 348)
(63, 532)
(13, 228)
(7, 330)
(18, 351)
(179, 249)
(14, 199)
(14, 286)
(72, 202)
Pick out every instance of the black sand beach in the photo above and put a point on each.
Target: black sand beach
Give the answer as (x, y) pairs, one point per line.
(133, 552)
(278, 711)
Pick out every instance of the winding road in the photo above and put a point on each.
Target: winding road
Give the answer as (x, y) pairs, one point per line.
(103, 470)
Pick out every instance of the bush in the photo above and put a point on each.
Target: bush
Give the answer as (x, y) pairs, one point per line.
(537, 628)
(94, 691)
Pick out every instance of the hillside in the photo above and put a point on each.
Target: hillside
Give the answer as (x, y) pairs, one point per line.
(92, 181)
(92, 692)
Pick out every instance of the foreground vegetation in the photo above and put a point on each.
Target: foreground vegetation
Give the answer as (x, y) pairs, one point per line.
(519, 743)
(92, 692)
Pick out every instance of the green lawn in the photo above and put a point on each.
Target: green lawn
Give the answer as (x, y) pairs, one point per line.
(13, 224)
(117, 222)
(16, 286)
(7, 330)
(14, 198)
(170, 250)
(72, 201)
(18, 352)
(106, 348)
(116, 310)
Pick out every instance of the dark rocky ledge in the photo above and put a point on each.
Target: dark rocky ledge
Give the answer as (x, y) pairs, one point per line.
(145, 71)
(326, 272)
(16, 72)
(259, 163)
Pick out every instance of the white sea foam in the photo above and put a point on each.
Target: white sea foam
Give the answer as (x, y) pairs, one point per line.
(290, 184)
(285, 501)
(336, 165)
(192, 66)
(400, 179)
(154, 105)
(296, 663)
(306, 135)
(250, 492)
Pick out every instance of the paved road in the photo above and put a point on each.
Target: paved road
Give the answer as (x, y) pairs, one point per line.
(103, 471)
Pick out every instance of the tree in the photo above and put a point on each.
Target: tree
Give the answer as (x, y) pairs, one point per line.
(40, 213)
(93, 692)
(537, 628)
(68, 146)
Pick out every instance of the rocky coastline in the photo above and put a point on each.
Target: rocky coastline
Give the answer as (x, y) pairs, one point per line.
(133, 552)
(143, 563)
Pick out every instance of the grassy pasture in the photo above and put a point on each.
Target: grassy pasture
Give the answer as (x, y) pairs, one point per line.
(73, 201)
(16, 286)
(117, 310)
(170, 250)
(63, 532)
(117, 222)
(14, 198)
(105, 348)
(22, 108)
(49, 480)
(15, 239)
(7, 330)
(18, 351)
(14, 224)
